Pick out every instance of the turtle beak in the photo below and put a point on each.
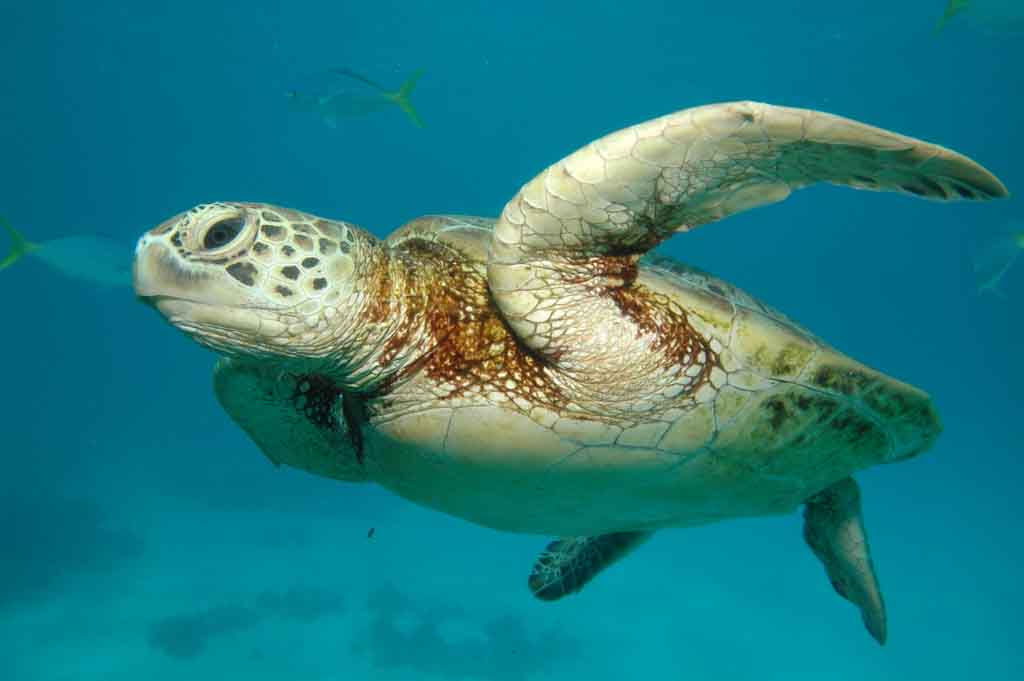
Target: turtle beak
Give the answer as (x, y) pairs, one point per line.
(156, 274)
(198, 298)
(166, 281)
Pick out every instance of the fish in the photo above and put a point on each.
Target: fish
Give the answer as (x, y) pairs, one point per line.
(996, 257)
(953, 8)
(993, 17)
(94, 259)
(344, 104)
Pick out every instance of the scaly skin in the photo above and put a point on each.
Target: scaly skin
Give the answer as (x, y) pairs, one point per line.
(577, 228)
(746, 415)
(294, 288)
(542, 376)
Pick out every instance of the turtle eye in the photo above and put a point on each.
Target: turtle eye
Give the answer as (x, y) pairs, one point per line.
(222, 232)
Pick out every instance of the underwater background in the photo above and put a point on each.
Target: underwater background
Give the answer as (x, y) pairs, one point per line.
(143, 536)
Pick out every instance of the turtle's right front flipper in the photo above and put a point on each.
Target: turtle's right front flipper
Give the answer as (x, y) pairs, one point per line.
(574, 233)
(299, 420)
(570, 563)
(834, 530)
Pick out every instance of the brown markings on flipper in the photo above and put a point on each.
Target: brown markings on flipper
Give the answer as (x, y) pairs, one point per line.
(317, 397)
(672, 337)
(451, 336)
(292, 426)
(465, 343)
(568, 564)
(353, 409)
(626, 192)
(834, 530)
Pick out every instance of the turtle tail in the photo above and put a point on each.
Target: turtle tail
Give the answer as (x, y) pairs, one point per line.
(20, 246)
(401, 98)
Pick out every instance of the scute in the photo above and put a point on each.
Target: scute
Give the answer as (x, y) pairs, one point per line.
(810, 411)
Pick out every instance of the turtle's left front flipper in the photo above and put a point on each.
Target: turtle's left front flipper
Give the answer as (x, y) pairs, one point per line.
(568, 564)
(299, 420)
(834, 530)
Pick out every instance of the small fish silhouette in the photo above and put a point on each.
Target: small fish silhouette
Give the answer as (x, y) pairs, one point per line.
(952, 9)
(335, 105)
(995, 258)
(95, 259)
(993, 17)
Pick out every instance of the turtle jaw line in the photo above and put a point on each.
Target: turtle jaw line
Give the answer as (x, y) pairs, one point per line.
(231, 329)
(179, 309)
(156, 299)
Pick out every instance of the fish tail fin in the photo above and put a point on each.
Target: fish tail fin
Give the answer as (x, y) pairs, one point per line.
(992, 288)
(401, 98)
(953, 8)
(409, 85)
(20, 246)
(996, 291)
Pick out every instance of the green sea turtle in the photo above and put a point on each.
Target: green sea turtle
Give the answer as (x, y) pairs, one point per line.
(543, 372)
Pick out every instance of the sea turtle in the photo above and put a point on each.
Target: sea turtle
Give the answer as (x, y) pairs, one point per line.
(544, 372)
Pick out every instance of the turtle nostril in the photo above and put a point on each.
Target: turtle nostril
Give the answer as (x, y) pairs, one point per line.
(222, 232)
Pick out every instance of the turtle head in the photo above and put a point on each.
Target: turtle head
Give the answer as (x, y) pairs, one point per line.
(256, 280)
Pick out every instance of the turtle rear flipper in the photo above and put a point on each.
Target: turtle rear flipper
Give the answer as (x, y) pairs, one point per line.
(569, 563)
(295, 419)
(834, 530)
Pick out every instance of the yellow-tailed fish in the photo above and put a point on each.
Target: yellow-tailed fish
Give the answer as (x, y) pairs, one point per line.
(994, 17)
(94, 259)
(953, 8)
(996, 257)
(332, 106)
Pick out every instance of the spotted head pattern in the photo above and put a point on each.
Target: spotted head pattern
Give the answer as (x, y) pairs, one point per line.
(248, 278)
(278, 250)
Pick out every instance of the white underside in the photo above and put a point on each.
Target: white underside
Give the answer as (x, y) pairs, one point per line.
(511, 480)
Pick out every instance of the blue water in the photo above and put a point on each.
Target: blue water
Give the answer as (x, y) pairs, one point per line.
(144, 537)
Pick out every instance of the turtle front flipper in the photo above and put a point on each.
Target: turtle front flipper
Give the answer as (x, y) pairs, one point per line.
(567, 564)
(296, 419)
(834, 530)
(574, 233)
